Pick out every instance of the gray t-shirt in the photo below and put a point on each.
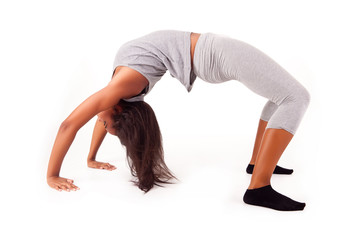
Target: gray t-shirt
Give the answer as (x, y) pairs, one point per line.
(155, 53)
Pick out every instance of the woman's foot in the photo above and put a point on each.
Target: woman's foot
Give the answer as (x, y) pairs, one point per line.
(278, 170)
(267, 197)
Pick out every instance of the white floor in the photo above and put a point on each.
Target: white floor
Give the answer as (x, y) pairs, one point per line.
(205, 203)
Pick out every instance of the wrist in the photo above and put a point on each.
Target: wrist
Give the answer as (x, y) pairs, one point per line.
(51, 176)
(90, 160)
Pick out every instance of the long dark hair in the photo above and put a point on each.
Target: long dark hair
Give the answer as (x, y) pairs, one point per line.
(138, 130)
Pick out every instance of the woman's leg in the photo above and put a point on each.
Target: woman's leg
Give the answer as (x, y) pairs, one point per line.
(225, 59)
(260, 192)
(288, 102)
(259, 135)
(273, 144)
(293, 102)
(278, 134)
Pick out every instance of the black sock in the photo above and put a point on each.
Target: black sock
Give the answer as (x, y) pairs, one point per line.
(278, 170)
(267, 197)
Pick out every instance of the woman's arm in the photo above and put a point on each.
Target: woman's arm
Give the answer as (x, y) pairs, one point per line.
(125, 84)
(98, 136)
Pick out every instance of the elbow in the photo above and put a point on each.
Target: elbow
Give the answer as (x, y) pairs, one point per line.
(66, 125)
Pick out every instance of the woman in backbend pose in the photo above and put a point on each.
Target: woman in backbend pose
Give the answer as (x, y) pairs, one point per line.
(214, 58)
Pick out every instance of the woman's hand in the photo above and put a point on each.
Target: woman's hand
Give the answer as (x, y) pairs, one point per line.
(100, 165)
(60, 184)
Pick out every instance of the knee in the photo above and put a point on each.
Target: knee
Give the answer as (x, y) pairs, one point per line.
(299, 96)
(304, 97)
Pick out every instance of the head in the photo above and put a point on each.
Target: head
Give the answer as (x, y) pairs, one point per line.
(106, 118)
(136, 126)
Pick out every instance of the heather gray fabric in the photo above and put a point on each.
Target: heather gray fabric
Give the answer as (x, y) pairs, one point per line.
(155, 53)
(219, 58)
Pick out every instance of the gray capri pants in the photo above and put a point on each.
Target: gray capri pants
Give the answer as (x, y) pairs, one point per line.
(219, 58)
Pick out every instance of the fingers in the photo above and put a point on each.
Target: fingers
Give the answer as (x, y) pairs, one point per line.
(112, 167)
(74, 187)
(101, 165)
(66, 186)
(60, 184)
(107, 166)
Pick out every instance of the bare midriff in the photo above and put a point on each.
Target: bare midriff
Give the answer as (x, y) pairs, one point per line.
(194, 38)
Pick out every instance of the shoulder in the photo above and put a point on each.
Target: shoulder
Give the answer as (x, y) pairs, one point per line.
(125, 84)
(129, 81)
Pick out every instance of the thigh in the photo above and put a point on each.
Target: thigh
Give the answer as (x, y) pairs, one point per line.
(255, 70)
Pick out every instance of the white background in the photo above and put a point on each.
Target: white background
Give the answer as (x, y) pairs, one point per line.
(53, 55)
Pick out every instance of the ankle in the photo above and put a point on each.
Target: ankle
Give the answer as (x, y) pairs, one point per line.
(258, 184)
(252, 161)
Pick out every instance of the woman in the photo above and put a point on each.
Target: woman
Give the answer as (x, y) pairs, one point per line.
(140, 63)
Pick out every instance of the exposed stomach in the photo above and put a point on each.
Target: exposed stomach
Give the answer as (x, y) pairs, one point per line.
(194, 38)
